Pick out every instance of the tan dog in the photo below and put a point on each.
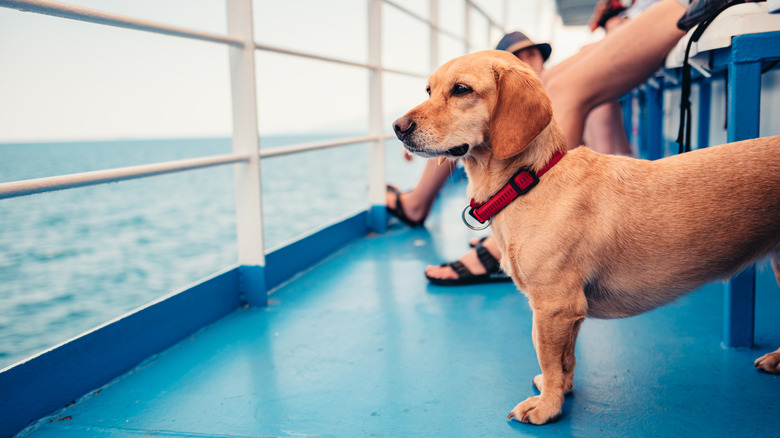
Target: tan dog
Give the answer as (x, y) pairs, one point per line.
(602, 236)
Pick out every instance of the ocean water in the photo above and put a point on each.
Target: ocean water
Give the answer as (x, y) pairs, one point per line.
(73, 259)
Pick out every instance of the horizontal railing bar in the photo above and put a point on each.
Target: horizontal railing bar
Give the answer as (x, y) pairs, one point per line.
(305, 147)
(424, 20)
(407, 11)
(83, 179)
(405, 73)
(450, 34)
(276, 49)
(79, 13)
(484, 14)
(61, 182)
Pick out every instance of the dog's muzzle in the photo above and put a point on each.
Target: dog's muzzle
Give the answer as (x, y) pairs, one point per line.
(404, 127)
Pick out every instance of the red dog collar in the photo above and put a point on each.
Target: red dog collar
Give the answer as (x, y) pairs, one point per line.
(523, 181)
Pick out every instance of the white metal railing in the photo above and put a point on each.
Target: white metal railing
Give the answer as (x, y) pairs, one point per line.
(52, 183)
(315, 145)
(79, 13)
(84, 179)
(376, 160)
(487, 16)
(274, 49)
(246, 139)
(52, 8)
(432, 22)
(246, 150)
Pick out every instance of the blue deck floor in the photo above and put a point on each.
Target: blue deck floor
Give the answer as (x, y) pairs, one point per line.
(361, 345)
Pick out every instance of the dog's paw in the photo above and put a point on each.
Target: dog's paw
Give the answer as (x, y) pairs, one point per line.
(769, 363)
(535, 410)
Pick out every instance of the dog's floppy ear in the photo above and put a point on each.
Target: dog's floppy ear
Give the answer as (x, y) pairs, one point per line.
(523, 109)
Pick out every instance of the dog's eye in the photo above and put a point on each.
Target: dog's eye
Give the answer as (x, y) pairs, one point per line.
(428, 90)
(460, 89)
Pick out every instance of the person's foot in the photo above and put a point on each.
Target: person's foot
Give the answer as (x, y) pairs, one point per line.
(470, 260)
(410, 212)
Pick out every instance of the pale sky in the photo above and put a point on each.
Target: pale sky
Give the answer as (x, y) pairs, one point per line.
(63, 80)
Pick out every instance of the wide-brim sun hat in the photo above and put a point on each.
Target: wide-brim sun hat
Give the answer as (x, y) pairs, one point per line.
(512, 42)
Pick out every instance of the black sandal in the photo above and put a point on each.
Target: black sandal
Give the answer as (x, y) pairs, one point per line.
(701, 10)
(474, 245)
(398, 211)
(494, 273)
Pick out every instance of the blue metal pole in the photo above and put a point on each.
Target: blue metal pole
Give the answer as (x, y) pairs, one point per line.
(627, 108)
(641, 96)
(654, 126)
(744, 94)
(705, 99)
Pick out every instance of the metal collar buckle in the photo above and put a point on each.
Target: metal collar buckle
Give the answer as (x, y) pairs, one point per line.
(482, 226)
(521, 182)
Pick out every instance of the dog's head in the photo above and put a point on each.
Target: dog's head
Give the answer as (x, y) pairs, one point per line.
(483, 100)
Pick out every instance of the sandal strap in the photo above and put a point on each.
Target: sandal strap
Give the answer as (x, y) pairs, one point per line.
(394, 190)
(398, 211)
(490, 263)
(478, 242)
(460, 269)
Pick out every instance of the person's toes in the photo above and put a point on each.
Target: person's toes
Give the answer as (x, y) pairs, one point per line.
(441, 272)
(470, 260)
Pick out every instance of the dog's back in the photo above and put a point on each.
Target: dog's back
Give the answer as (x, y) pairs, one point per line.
(682, 221)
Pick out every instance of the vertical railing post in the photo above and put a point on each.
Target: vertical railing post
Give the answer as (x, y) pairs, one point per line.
(651, 139)
(249, 215)
(655, 108)
(433, 19)
(505, 21)
(743, 115)
(627, 109)
(705, 102)
(376, 175)
(467, 26)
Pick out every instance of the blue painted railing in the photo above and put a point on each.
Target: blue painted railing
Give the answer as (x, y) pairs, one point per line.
(740, 65)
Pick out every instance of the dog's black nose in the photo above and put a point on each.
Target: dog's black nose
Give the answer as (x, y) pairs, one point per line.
(403, 126)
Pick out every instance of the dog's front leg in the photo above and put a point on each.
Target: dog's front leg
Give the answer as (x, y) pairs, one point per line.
(555, 328)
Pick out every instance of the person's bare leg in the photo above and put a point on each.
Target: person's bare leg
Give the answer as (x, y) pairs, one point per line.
(624, 59)
(418, 201)
(560, 68)
(604, 130)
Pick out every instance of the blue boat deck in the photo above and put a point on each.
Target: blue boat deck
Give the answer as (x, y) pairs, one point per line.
(362, 345)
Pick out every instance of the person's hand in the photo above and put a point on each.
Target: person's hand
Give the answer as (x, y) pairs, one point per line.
(598, 12)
